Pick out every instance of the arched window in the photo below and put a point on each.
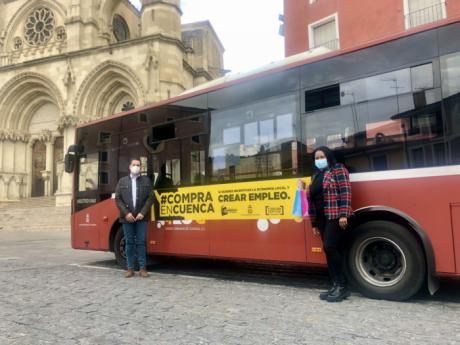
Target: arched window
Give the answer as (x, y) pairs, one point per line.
(120, 28)
(61, 34)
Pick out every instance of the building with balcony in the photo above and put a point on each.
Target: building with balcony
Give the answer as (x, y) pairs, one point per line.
(342, 24)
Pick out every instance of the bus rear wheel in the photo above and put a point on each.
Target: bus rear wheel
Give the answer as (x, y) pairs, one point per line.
(385, 261)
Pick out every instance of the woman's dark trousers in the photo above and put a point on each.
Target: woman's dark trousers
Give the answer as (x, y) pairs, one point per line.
(332, 237)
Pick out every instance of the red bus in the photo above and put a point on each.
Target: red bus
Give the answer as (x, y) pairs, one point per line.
(235, 148)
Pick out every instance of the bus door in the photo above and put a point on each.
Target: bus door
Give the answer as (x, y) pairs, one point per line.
(455, 215)
(177, 163)
(88, 222)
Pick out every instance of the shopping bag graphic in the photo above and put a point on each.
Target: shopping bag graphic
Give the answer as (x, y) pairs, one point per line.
(297, 208)
(304, 203)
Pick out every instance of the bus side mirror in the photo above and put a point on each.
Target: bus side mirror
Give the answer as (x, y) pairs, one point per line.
(70, 158)
(69, 163)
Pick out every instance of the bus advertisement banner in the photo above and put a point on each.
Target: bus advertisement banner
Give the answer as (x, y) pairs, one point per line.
(272, 199)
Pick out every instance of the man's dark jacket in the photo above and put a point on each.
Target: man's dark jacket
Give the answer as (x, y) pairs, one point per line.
(124, 197)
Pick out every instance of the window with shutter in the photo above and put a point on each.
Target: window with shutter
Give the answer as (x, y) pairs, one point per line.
(324, 33)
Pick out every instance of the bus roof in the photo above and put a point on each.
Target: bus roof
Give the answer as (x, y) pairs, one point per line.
(310, 56)
(275, 65)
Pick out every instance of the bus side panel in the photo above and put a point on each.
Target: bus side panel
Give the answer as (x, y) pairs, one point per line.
(455, 210)
(426, 199)
(86, 230)
(109, 210)
(272, 240)
(178, 237)
(91, 226)
(313, 245)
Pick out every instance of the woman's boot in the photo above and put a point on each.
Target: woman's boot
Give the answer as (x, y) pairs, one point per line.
(323, 295)
(338, 294)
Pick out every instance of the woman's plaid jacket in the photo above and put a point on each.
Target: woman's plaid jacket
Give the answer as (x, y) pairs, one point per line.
(337, 194)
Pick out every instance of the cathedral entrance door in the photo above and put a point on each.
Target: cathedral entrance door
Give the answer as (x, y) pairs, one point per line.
(38, 165)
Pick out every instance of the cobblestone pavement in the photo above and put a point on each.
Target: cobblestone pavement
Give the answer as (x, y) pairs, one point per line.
(51, 294)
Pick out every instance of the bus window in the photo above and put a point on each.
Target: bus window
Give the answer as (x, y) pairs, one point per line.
(259, 88)
(163, 132)
(322, 98)
(167, 162)
(197, 167)
(388, 121)
(450, 71)
(405, 135)
(173, 169)
(254, 141)
(180, 145)
(332, 127)
(163, 178)
(88, 175)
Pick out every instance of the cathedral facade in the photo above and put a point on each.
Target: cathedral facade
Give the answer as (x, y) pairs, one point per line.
(67, 61)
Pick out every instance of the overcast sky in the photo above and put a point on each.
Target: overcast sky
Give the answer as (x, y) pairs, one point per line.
(248, 29)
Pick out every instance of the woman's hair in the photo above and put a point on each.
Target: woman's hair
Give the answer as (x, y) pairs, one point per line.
(328, 153)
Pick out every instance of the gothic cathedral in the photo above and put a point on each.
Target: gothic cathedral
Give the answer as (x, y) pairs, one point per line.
(67, 61)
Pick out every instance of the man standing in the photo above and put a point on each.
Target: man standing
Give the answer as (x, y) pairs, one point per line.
(134, 197)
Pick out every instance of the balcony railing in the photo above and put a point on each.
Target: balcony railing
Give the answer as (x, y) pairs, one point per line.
(425, 15)
(332, 44)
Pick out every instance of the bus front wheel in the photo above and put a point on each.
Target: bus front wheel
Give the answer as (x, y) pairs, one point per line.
(119, 248)
(385, 261)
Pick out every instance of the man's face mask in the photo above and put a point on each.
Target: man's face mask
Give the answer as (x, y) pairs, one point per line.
(135, 169)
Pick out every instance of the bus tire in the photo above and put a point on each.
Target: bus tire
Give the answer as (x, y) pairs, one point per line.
(385, 261)
(119, 248)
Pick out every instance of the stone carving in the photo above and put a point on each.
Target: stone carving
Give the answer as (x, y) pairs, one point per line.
(69, 77)
(151, 64)
(151, 59)
(2, 38)
(11, 135)
(45, 136)
(67, 121)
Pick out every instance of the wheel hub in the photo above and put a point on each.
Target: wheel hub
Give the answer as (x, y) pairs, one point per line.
(380, 261)
(384, 258)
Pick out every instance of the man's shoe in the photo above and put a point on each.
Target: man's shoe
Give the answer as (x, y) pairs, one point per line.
(323, 295)
(129, 273)
(143, 273)
(338, 294)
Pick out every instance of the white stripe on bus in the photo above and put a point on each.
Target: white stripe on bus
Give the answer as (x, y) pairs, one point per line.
(405, 173)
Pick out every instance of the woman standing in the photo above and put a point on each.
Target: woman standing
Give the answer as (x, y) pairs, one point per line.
(329, 210)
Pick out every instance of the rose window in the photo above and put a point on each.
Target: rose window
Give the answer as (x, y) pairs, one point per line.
(39, 26)
(128, 106)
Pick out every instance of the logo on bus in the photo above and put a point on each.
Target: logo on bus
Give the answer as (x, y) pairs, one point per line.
(225, 210)
(274, 211)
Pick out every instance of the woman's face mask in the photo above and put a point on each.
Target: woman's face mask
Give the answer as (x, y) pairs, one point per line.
(321, 163)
